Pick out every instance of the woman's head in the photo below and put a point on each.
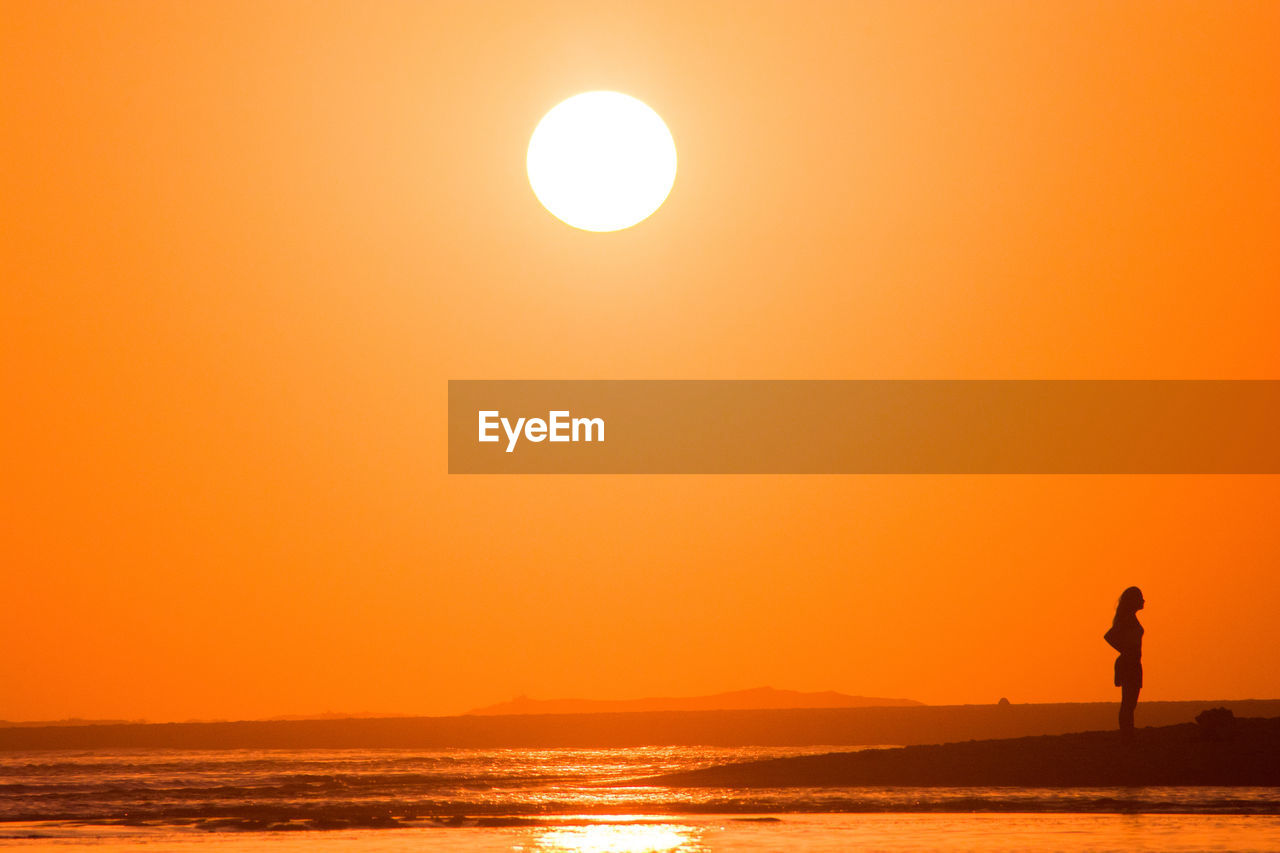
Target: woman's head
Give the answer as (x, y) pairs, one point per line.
(1131, 601)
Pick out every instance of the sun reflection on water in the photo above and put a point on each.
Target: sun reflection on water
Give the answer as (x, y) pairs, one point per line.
(617, 838)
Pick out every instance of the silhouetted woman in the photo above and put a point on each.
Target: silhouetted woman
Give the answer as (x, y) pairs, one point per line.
(1125, 637)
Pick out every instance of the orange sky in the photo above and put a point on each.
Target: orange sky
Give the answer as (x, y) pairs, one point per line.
(244, 246)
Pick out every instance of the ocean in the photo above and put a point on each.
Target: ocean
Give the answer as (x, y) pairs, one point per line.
(569, 800)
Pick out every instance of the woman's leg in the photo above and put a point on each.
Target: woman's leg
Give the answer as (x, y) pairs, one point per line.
(1128, 702)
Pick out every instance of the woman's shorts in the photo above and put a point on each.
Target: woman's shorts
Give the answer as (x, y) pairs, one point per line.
(1128, 672)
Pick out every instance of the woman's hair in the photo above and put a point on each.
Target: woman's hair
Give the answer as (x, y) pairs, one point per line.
(1128, 603)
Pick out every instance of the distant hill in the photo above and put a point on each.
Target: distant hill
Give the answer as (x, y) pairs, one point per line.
(70, 721)
(339, 715)
(756, 699)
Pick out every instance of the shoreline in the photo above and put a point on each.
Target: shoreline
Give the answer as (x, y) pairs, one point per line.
(1173, 756)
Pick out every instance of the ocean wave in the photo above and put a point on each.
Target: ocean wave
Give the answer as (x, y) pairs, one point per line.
(397, 812)
(283, 791)
(95, 766)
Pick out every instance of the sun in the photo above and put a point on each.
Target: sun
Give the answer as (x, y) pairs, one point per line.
(602, 161)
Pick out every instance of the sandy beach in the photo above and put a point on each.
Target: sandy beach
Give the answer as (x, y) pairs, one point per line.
(1168, 755)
